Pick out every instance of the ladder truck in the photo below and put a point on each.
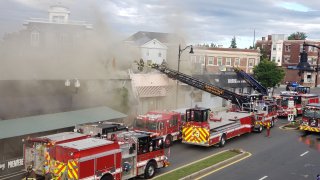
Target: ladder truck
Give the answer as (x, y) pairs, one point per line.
(253, 82)
(207, 129)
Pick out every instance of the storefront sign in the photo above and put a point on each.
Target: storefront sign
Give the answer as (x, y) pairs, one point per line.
(10, 164)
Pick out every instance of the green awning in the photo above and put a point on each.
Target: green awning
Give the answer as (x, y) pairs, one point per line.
(34, 124)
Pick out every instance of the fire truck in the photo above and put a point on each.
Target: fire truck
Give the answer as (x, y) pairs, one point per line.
(249, 103)
(206, 129)
(165, 123)
(292, 102)
(131, 155)
(311, 118)
(101, 129)
(38, 152)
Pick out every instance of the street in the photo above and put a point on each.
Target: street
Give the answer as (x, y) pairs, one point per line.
(287, 154)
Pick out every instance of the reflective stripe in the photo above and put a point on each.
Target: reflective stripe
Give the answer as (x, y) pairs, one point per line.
(308, 128)
(73, 169)
(196, 134)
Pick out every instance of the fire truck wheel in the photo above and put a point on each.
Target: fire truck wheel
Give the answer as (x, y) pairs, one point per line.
(168, 141)
(150, 170)
(107, 177)
(222, 141)
(260, 129)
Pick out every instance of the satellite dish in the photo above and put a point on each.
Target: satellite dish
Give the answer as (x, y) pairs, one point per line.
(222, 68)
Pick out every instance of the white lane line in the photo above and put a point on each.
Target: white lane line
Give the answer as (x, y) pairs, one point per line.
(263, 177)
(304, 153)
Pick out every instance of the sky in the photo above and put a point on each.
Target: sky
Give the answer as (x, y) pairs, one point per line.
(198, 21)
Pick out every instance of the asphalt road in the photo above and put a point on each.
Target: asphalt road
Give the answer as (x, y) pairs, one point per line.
(285, 155)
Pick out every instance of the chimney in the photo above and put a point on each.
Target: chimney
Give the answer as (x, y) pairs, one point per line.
(263, 38)
(269, 37)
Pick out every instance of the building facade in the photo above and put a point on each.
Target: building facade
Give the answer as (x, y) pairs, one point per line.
(286, 53)
(216, 60)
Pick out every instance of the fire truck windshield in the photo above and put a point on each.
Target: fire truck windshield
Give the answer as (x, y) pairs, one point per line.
(311, 113)
(146, 125)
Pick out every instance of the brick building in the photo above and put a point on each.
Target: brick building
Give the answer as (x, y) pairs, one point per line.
(214, 60)
(286, 53)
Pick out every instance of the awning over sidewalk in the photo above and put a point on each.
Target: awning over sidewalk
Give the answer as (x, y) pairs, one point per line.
(34, 124)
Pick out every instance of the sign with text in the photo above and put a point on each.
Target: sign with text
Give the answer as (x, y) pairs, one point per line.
(11, 165)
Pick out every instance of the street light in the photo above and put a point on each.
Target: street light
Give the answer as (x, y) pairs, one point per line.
(179, 59)
(304, 65)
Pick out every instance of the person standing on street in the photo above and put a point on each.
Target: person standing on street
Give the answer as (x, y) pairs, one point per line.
(268, 126)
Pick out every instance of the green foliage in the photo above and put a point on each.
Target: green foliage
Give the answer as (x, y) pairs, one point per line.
(233, 42)
(268, 73)
(264, 54)
(196, 167)
(298, 36)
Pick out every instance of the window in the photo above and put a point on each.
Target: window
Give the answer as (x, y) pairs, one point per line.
(262, 46)
(219, 61)
(237, 61)
(34, 38)
(278, 59)
(159, 54)
(273, 58)
(251, 62)
(210, 60)
(228, 61)
(287, 48)
(274, 47)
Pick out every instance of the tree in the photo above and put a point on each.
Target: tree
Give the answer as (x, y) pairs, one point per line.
(268, 73)
(233, 43)
(297, 36)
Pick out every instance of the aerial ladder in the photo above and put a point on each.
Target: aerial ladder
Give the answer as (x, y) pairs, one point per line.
(252, 82)
(235, 98)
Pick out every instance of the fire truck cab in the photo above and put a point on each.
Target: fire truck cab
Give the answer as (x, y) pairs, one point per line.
(166, 124)
(311, 118)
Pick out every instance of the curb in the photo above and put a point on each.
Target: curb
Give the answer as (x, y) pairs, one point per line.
(218, 166)
(190, 163)
(288, 128)
(215, 167)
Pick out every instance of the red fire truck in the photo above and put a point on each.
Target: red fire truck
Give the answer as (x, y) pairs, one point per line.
(205, 129)
(165, 123)
(292, 102)
(311, 118)
(133, 154)
(39, 152)
(101, 129)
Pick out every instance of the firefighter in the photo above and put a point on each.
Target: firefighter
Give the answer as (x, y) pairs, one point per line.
(268, 126)
(30, 175)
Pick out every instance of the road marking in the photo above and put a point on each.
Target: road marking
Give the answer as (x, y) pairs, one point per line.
(264, 177)
(304, 153)
(249, 154)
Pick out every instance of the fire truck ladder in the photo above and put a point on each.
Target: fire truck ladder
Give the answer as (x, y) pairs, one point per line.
(253, 82)
(217, 91)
